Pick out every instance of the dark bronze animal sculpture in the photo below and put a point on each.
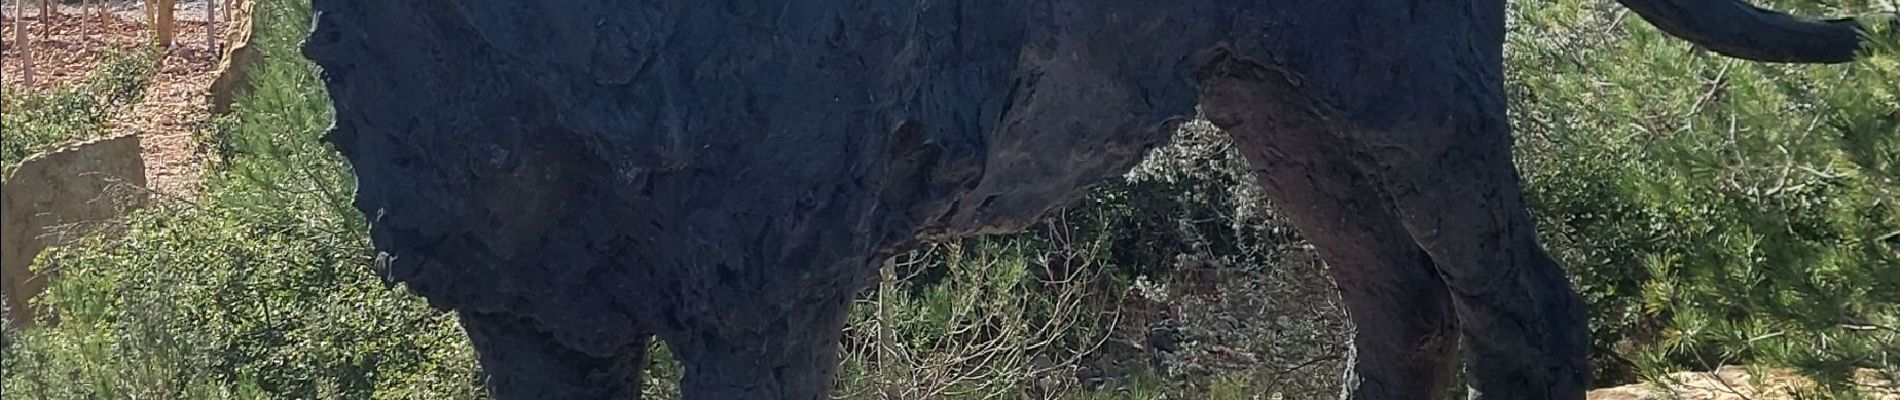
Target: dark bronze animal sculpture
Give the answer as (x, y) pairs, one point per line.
(575, 177)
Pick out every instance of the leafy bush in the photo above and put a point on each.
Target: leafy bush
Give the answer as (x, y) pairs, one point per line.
(1179, 281)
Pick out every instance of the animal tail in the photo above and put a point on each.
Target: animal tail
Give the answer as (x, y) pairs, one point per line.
(1741, 30)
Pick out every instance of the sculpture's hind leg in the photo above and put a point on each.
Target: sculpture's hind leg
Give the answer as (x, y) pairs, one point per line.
(1452, 178)
(1405, 338)
(522, 362)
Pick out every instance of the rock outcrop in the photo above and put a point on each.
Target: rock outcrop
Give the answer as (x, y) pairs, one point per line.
(56, 196)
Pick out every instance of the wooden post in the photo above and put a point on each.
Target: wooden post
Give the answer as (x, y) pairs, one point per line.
(21, 40)
(166, 22)
(211, 27)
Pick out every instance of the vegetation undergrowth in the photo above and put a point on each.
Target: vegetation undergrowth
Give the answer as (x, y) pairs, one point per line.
(259, 288)
(38, 121)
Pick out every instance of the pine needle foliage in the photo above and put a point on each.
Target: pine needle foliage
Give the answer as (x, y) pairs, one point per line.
(1714, 211)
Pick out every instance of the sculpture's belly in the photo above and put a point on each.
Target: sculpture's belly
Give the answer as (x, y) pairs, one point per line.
(534, 159)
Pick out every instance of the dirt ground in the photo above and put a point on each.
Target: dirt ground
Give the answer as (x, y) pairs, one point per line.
(68, 47)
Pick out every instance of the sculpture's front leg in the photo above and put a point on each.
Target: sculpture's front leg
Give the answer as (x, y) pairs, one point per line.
(520, 361)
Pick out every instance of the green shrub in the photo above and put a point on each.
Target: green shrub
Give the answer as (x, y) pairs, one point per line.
(1006, 317)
